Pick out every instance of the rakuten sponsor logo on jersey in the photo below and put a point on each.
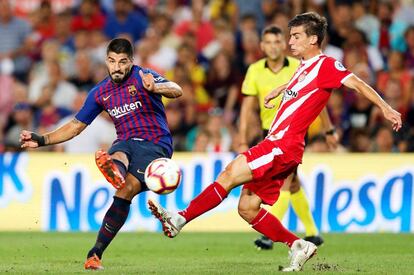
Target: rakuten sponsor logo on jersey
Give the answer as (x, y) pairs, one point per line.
(125, 109)
(289, 94)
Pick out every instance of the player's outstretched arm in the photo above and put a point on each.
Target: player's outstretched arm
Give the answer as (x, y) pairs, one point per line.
(67, 131)
(273, 94)
(168, 89)
(389, 113)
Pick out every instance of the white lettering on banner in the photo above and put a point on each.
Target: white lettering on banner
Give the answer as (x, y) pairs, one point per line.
(125, 109)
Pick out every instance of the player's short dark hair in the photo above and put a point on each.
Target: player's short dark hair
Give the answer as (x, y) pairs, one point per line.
(273, 29)
(313, 23)
(120, 45)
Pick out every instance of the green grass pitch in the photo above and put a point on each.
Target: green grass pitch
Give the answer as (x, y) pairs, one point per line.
(201, 253)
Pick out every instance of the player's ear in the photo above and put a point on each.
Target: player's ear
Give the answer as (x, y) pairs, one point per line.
(314, 40)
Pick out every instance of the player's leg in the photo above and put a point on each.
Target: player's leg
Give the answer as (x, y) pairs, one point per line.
(235, 174)
(136, 155)
(263, 221)
(301, 207)
(266, 191)
(113, 220)
(278, 209)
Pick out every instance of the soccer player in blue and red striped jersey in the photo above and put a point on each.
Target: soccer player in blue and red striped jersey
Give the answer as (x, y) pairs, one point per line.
(131, 95)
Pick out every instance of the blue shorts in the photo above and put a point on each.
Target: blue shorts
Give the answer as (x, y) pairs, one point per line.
(140, 153)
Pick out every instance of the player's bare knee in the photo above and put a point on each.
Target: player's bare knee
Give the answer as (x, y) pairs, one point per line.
(246, 210)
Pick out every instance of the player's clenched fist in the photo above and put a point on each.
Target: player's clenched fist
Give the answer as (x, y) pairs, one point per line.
(147, 81)
(31, 140)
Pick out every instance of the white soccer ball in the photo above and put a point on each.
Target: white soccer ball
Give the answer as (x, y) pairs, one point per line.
(162, 176)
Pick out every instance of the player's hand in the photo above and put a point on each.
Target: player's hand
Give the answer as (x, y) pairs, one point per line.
(147, 81)
(29, 139)
(393, 116)
(273, 94)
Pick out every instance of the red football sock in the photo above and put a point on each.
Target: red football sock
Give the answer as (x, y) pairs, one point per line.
(270, 226)
(212, 196)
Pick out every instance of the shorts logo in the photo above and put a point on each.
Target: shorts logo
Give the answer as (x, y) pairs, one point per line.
(289, 94)
(132, 90)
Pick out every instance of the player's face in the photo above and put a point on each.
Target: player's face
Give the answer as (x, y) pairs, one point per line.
(300, 43)
(273, 45)
(119, 65)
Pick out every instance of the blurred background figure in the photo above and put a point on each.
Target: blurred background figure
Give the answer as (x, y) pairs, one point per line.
(125, 20)
(15, 43)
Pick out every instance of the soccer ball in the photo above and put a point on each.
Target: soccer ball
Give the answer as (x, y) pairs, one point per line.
(162, 176)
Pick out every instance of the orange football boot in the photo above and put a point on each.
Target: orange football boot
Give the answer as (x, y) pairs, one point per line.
(109, 169)
(93, 263)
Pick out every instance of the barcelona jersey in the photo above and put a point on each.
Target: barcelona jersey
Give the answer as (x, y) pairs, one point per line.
(135, 112)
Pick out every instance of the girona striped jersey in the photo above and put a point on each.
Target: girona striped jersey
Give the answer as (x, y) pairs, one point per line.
(135, 112)
(306, 95)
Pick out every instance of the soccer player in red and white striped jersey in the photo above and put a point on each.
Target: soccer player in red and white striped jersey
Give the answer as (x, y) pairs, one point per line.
(263, 168)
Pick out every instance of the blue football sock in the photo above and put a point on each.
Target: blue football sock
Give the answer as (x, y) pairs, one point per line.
(114, 219)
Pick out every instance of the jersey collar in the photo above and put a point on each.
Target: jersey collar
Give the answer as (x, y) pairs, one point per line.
(285, 63)
(311, 60)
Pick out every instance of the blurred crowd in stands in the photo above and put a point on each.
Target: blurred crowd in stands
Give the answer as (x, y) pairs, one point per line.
(53, 52)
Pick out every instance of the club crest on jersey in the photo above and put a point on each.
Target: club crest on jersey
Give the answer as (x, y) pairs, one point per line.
(289, 94)
(339, 66)
(302, 76)
(132, 90)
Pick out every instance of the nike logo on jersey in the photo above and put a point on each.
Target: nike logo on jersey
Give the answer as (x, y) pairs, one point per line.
(121, 115)
(106, 98)
(140, 172)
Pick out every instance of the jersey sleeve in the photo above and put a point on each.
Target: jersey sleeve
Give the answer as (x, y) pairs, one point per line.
(249, 86)
(157, 77)
(90, 109)
(332, 74)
